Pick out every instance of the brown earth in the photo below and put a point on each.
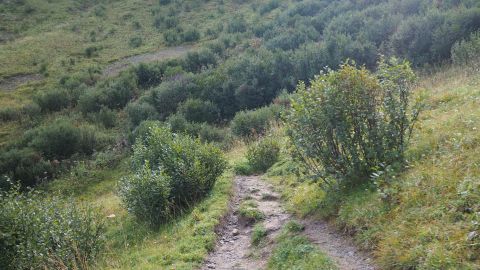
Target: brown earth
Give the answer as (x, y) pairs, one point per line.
(235, 251)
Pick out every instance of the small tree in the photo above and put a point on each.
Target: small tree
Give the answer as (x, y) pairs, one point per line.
(350, 122)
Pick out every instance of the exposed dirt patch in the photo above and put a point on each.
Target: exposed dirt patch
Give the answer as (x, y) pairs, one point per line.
(337, 246)
(116, 67)
(235, 251)
(12, 83)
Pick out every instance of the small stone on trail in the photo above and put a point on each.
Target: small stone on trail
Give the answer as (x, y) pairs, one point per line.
(472, 235)
(235, 232)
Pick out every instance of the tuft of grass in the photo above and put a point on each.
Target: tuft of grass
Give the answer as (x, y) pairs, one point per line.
(259, 234)
(294, 251)
(249, 212)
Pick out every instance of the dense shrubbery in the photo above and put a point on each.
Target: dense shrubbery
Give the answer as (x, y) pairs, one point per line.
(199, 111)
(53, 100)
(350, 122)
(61, 139)
(467, 52)
(261, 155)
(24, 165)
(256, 122)
(38, 232)
(173, 171)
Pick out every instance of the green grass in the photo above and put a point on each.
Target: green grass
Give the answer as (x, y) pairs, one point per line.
(259, 233)
(248, 210)
(55, 34)
(294, 251)
(433, 206)
(183, 243)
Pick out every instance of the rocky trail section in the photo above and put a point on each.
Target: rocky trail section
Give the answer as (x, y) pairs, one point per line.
(235, 251)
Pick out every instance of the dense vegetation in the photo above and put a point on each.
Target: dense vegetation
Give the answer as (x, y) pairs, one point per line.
(77, 123)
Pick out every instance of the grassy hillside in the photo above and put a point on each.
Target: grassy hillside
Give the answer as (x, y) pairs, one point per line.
(428, 216)
(68, 129)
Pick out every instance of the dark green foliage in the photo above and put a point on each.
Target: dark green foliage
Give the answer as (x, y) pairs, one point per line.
(196, 61)
(467, 52)
(113, 94)
(237, 25)
(140, 111)
(146, 195)
(61, 139)
(351, 122)
(9, 114)
(167, 97)
(39, 232)
(149, 74)
(53, 100)
(267, 7)
(171, 37)
(256, 122)
(105, 117)
(25, 166)
(190, 35)
(261, 155)
(135, 42)
(191, 167)
(197, 110)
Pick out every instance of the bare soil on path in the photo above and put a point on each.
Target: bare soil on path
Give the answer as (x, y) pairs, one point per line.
(12, 83)
(235, 251)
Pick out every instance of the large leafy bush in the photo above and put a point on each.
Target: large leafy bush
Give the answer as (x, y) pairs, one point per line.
(263, 154)
(467, 52)
(349, 122)
(46, 233)
(173, 170)
(254, 122)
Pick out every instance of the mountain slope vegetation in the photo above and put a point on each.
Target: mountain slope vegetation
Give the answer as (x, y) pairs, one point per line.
(70, 131)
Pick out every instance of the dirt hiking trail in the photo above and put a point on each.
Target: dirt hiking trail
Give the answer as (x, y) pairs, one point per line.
(116, 67)
(235, 251)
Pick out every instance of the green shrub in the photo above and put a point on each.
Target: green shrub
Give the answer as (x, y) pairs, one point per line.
(243, 168)
(190, 35)
(197, 110)
(350, 122)
(259, 233)
(142, 131)
(140, 111)
(113, 94)
(237, 25)
(136, 42)
(61, 139)
(249, 212)
(191, 167)
(105, 117)
(171, 37)
(25, 166)
(255, 122)
(467, 52)
(39, 232)
(9, 114)
(146, 194)
(52, 100)
(263, 154)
